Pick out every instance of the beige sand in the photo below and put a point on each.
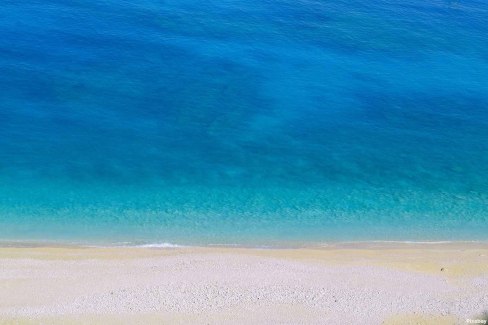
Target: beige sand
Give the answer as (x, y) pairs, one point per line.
(347, 284)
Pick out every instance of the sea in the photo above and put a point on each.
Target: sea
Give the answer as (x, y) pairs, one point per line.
(250, 123)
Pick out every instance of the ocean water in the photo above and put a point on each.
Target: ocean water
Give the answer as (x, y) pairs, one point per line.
(243, 122)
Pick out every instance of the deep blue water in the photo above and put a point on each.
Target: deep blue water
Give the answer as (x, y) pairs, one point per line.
(251, 121)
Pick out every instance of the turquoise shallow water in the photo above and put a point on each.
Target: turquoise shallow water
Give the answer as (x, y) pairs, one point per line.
(255, 122)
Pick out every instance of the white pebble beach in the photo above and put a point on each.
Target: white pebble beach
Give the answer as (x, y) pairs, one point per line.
(339, 284)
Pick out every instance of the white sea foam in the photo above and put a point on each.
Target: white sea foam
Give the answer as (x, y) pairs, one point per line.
(160, 245)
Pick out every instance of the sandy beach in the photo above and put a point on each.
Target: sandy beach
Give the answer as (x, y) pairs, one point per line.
(346, 284)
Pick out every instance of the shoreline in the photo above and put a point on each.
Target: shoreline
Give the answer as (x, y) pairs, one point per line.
(376, 244)
(371, 284)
